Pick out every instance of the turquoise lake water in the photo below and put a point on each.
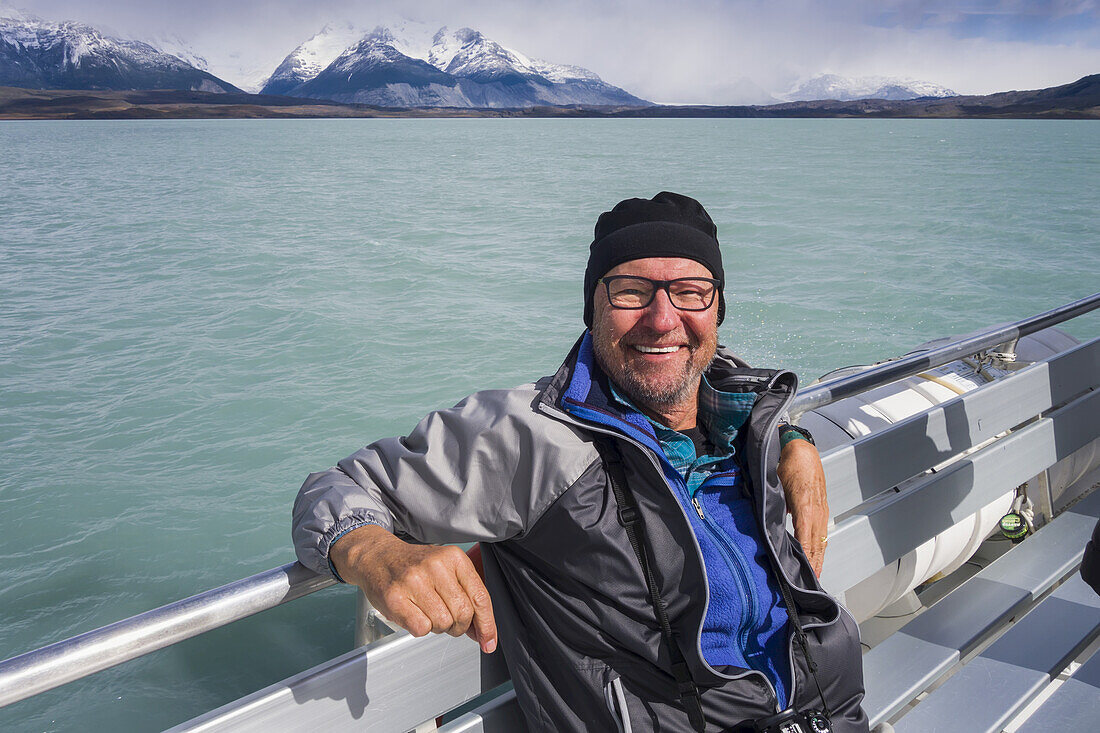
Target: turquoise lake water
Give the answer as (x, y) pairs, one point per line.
(196, 314)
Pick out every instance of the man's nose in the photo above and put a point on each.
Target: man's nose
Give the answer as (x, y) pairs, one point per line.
(660, 315)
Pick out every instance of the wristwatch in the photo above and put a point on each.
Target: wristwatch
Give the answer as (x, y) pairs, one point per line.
(787, 427)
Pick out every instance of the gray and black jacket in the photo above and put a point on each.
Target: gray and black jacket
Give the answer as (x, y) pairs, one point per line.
(514, 470)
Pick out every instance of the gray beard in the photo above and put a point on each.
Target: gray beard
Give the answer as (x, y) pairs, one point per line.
(643, 393)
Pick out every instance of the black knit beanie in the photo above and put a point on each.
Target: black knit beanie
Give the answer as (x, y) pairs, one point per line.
(668, 225)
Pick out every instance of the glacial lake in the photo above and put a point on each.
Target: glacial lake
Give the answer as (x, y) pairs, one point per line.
(196, 314)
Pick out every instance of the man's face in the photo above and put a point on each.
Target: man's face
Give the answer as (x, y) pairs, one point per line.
(633, 346)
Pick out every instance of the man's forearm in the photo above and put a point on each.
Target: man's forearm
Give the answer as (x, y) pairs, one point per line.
(352, 551)
(803, 480)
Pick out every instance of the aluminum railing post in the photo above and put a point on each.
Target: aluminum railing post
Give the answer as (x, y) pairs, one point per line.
(368, 626)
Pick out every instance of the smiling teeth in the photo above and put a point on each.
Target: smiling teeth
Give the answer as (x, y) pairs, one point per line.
(656, 349)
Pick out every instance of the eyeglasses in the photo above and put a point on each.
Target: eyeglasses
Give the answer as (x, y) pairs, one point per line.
(631, 292)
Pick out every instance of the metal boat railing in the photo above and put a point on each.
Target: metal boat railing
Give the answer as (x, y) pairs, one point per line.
(43, 669)
(837, 389)
(54, 665)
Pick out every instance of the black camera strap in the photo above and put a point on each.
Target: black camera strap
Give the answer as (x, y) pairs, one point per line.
(800, 634)
(631, 520)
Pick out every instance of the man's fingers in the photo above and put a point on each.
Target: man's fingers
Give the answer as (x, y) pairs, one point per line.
(409, 616)
(819, 541)
(414, 602)
(446, 573)
(813, 540)
(817, 559)
(484, 624)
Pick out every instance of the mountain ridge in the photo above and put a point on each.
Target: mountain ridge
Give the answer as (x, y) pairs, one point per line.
(848, 89)
(42, 54)
(460, 68)
(1077, 100)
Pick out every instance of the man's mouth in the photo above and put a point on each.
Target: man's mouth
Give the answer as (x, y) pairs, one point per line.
(656, 349)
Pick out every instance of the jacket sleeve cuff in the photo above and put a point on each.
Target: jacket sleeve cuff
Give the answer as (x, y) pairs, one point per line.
(340, 529)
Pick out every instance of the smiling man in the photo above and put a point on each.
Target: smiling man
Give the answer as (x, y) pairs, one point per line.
(637, 570)
(657, 351)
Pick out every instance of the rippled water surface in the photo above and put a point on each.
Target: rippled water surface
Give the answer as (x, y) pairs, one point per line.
(195, 314)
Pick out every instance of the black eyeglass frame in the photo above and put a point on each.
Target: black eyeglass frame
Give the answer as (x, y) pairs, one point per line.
(659, 285)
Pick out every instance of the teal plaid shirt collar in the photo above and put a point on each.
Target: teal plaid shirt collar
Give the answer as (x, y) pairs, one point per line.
(721, 415)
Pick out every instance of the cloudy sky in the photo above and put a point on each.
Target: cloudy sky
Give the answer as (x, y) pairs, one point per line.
(696, 51)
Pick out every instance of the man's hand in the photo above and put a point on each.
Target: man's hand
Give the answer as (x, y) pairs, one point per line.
(422, 588)
(804, 487)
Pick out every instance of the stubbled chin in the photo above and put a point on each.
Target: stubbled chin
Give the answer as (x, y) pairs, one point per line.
(661, 371)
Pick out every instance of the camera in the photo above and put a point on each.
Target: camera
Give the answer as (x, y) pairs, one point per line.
(795, 721)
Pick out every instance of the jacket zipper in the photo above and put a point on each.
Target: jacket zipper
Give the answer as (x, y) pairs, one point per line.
(773, 424)
(751, 612)
(736, 562)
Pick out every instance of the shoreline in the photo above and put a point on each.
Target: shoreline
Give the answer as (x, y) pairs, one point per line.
(1077, 101)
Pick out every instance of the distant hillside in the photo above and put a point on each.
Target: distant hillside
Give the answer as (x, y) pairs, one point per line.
(1079, 100)
(846, 89)
(54, 104)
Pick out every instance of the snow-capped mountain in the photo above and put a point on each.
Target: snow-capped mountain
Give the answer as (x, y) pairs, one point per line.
(173, 45)
(468, 54)
(406, 67)
(846, 89)
(311, 58)
(375, 72)
(45, 55)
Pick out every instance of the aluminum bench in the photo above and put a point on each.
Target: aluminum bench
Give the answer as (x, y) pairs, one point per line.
(912, 659)
(502, 713)
(1074, 706)
(992, 688)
